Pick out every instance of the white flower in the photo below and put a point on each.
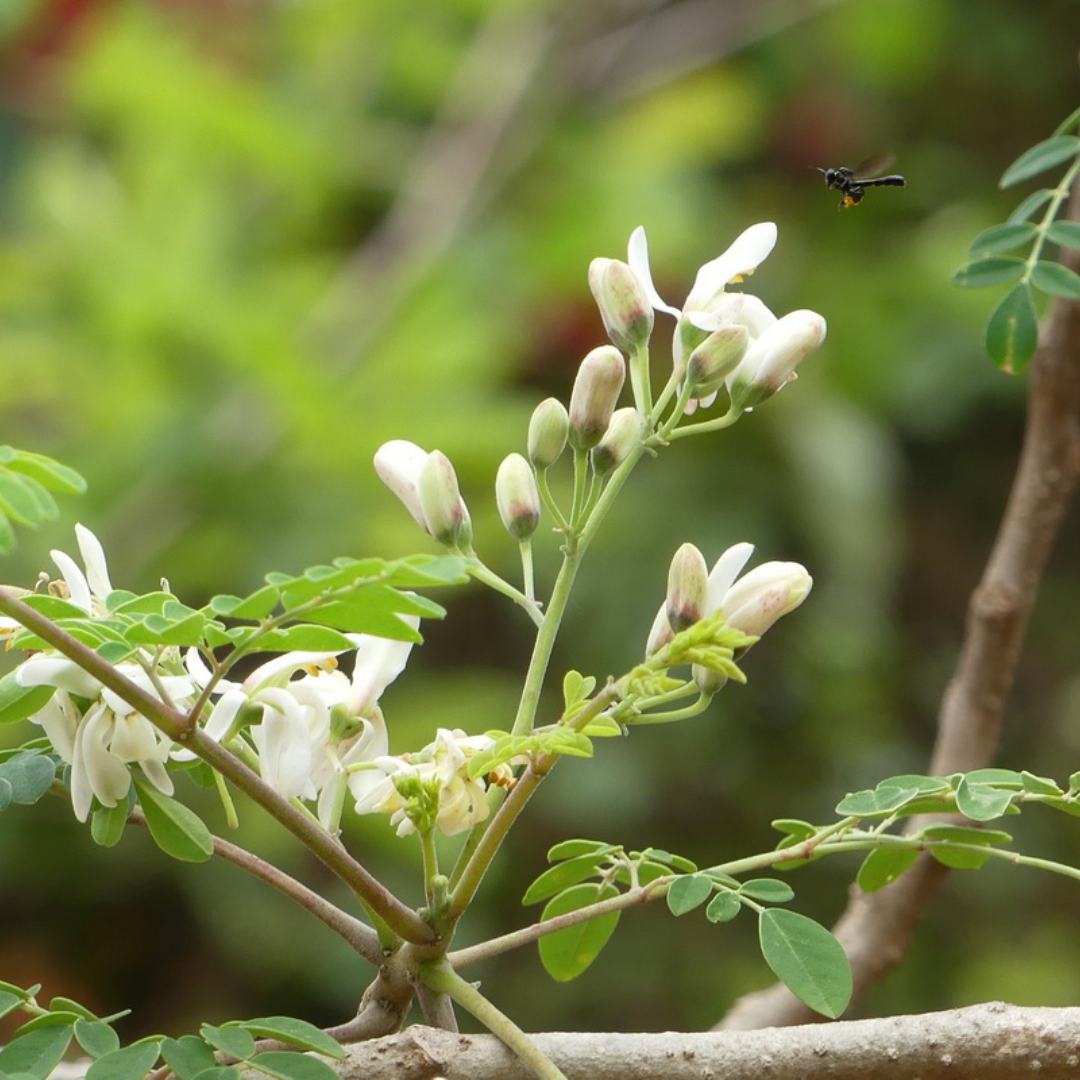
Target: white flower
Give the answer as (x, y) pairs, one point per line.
(774, 346)
(427, 485)
(442, 765)
(100, 743)
(90, 590)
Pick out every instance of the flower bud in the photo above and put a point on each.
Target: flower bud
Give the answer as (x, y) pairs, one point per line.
(440, 500)
(596, 389)
(622, 435)
(548, 429)
(771, 360)
(763, 595)
(624, 307)
(715, 358)
(517, 497)
(398, 464)
(688, 584)
(660, 634)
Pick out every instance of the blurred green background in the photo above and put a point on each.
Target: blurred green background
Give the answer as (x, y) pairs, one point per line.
(244, 243)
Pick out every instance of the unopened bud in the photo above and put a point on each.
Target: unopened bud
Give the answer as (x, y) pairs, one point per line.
(622, 435)
(763, 595)
(624, 307)
(708, 681)
(688, 584)
(517, 497)
(660, 634)
(596, 389)
(548, 430)
(398, 464)
(444, 509)
(716, 358)
(771, 360)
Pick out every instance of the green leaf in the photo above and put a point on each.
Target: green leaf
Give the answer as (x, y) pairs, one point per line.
(961, 834)
(990, 270)
(602, 727)
(187, 1056)
(688, 892)
(980, 802)
(873, 803)
(129, 1063)
(999, 777)
(1055, 279)
(7, 536)
(234, 1041)
(768, 890)
(17, 500)
(1013, 330)
(1035, 201)
(1039, 158)
(922, 784)
(47, 472)
(800, 830)
(723, 907)
(168, 629)
(1039, 785)
(107, 823)
(576, 688)
(66, 1004)
(563, 874)
(222, 1072)
(18, 702)
(1002, 238)
(679, 862)
(295, 1032)
(807, 959)
(257, 605)
(53, 1018)
(291, 1066)
(883, 866)
(566, 953)
(37, 1053)
(96, 1037)
(178, 831)
(30, 776)
(1064, 233)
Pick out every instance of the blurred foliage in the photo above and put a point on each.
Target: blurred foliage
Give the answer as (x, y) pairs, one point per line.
(243, 244)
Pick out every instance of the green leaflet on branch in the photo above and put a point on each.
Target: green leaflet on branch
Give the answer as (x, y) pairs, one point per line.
(807, 959)
(26, 481)
(566, 953)
(176, 829)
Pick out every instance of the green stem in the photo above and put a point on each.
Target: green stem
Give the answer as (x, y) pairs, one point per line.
(696, 709)
(488, 577)
(640, 381)
(430, 862)
(705, 426)
(549, 500)
(439, 976)
(527, 575)
(496, 797)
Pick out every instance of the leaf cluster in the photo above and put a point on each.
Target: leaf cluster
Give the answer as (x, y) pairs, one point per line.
(1012, 331)
(27, 482)
(41, 1043)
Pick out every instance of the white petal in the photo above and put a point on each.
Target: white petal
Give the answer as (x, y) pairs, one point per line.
(57, 671)
(637, 256)
(105, 775)
(398, 464)
(97, 571)
(60, 719)
(748, 250)
(661, 632)
(379, 661)
(136, 739)
(270, 673)
(723, 574)
(78, 587)
(158, 775)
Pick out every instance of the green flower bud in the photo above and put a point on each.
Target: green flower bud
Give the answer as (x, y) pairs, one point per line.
(517, 497)
(548, 429)
(715, 358)
(624, 307)
(688, 587)
(444, 509)
(622, 435)
(596, 390)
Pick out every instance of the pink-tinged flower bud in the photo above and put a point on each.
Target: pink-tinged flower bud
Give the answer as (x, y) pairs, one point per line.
(398, 464)
(441, 503)
(624, 307)
(623, 434)
(596, 390)
(763, 595)
(548, 429)
(716, 358)
(517, 497)
(770, 361)
(688, 585)
(660, 634)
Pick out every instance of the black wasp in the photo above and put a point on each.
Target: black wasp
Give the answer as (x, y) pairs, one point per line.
(852, 186)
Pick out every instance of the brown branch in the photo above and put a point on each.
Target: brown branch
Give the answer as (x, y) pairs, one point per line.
(993, 1042)
(875, 929)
